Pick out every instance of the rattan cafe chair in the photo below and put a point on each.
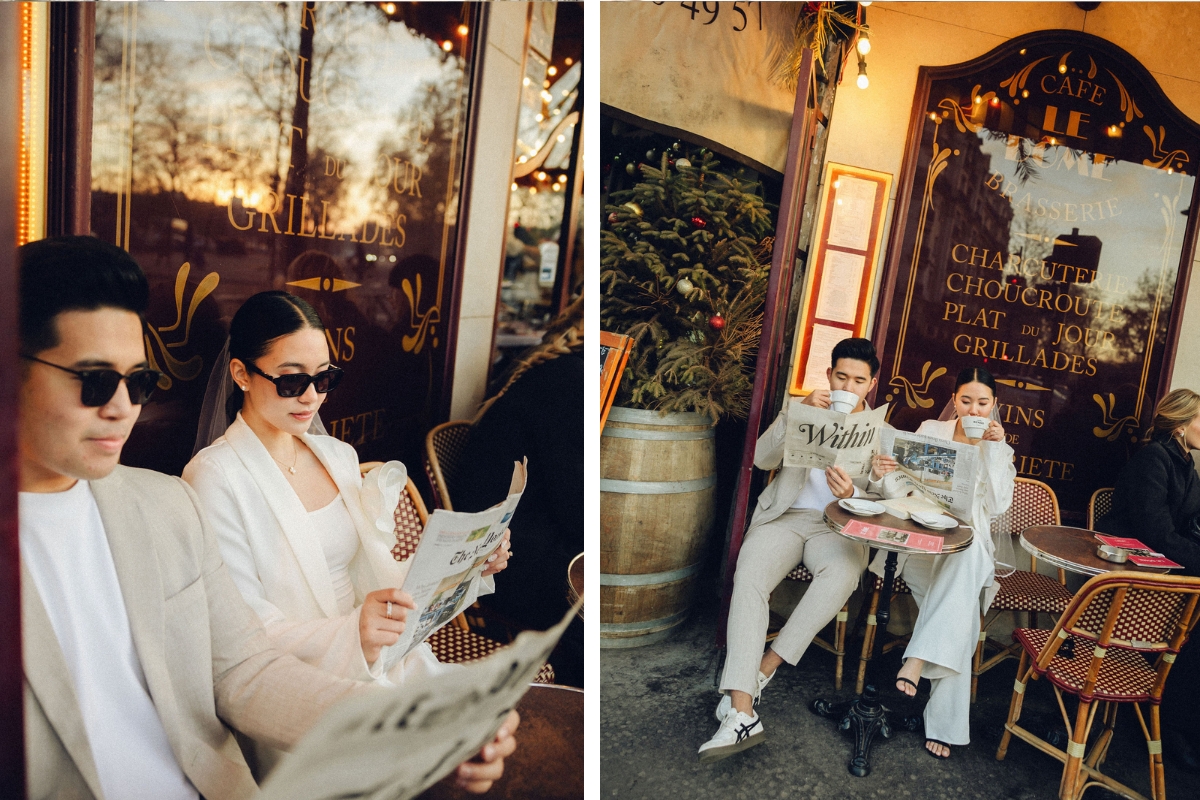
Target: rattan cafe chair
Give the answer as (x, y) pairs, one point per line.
(1034, 503)
(443, 449)
(1125, 630)
(1099, 504)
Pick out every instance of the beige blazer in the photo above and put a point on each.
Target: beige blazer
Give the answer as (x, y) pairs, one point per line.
(207, 660)
(780, 493)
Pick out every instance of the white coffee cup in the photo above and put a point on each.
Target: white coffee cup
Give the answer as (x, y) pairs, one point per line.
(842, 402)
(975, 427)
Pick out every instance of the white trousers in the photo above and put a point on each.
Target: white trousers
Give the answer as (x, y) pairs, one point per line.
(769, 553)
(947, 589)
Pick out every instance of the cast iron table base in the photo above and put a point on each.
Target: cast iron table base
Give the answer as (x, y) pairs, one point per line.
(866, 717)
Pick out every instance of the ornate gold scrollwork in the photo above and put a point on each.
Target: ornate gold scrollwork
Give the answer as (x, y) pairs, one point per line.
(1112, 427)
(421, 324)
(183, 370)
(1016, 82)
(1174, 159)
(915, 393)
(1127, 103)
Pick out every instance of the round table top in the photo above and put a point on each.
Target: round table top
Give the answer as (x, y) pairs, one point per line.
(548, 762)
(953, 540)
(1073, 549)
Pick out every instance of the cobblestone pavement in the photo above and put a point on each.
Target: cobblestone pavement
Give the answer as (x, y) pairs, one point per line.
(656, 710)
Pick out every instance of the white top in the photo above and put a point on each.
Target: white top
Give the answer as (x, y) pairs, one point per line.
(64, 545)
(339, 541)
(815, 492)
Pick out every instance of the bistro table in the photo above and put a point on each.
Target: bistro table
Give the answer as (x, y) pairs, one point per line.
(548, 761)
(1073, 549)
(866, 716)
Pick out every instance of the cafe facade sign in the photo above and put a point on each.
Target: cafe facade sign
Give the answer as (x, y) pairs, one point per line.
(1045, 220)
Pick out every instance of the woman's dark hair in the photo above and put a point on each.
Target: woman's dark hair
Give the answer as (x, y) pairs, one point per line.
(975, 375)
(260, 321)
(74, 273)
(857, 349)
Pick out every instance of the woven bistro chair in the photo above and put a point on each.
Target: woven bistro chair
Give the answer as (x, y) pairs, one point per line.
(1099, 504)
(443, 447)
(800, 574)
(1126, 629)
(1034, 503)
(455, 642)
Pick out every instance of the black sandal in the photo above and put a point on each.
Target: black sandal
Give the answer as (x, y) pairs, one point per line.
(935, 755)
(910, 683)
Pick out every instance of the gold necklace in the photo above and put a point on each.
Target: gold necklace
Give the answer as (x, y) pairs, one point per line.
(295, 458)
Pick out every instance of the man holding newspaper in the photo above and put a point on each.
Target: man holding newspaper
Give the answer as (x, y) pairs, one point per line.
(966, 469)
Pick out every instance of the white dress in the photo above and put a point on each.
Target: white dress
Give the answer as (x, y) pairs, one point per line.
(275, 553)
(952, 591)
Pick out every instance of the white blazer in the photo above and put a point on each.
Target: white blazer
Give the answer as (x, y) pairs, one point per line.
(275, 557)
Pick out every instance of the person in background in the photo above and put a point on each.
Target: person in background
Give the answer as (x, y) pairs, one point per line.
(306, 540)
(538, 413)
(138, 649)
(788, 528)
(1157, 500)
(952, 590)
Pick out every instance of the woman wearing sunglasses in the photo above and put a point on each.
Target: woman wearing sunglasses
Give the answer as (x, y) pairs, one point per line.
(306, 539)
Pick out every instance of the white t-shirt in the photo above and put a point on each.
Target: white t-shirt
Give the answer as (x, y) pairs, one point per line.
(64, 546)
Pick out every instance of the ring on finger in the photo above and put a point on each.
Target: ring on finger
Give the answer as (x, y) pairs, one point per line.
(389, 609)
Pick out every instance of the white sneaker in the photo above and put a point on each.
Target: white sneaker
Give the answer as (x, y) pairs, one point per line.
(738, 732)
(726, 704)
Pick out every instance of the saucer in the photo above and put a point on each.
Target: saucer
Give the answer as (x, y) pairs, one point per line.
(939, 522)
(861, 508)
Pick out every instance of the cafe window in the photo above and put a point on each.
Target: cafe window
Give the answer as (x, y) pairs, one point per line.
(315, 148)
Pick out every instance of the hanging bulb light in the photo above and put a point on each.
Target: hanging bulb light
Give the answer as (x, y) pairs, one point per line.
(864, 42)
(863, 80)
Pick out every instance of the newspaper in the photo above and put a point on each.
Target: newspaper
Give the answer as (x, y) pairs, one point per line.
(452, 554)
(395, 743)
(820, 438)
(942, 470)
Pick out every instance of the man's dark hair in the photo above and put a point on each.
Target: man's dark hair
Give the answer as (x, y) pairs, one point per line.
(859, 350)
(74, 273)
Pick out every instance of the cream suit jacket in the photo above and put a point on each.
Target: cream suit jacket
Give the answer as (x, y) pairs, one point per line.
(274, 552)
(780, 493)
(207, 660)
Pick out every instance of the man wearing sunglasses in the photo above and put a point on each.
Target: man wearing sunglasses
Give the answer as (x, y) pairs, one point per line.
(138, 649)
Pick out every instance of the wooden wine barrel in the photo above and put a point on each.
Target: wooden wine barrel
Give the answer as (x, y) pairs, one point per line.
(657, 484)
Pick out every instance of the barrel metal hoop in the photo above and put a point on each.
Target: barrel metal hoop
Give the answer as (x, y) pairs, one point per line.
(657, 487)
(648, 578)
(629, 627)
(640, 416)
(638, 433)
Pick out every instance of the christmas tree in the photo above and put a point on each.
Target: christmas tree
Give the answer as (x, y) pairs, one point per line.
(683, 271)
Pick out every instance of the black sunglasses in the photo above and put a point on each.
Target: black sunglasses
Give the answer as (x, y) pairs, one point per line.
(297, 383)
(99, 385)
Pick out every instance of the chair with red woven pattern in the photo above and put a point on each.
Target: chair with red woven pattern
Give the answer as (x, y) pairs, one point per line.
(455, 642)
(1099, 504)
(443, 447)
(1034, 503)
(1125, 630)
(801, 574)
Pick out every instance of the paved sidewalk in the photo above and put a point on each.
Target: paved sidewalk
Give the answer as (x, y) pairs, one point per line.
(656, 710)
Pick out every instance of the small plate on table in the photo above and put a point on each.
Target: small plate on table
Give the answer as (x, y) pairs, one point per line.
(938, 522)
(861, 508)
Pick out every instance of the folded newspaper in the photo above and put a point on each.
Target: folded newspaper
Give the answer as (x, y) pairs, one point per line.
(450, 557)
(941, 470)
(393, 744)
(820, 438)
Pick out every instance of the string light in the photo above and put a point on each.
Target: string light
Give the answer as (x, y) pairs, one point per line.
(462, 30)
(447, 45)
(864, 42)
(552, 70)
(863, 81)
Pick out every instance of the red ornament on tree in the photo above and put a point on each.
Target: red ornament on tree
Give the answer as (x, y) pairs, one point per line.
(612, 218)
(716, 322)
(699, 222)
